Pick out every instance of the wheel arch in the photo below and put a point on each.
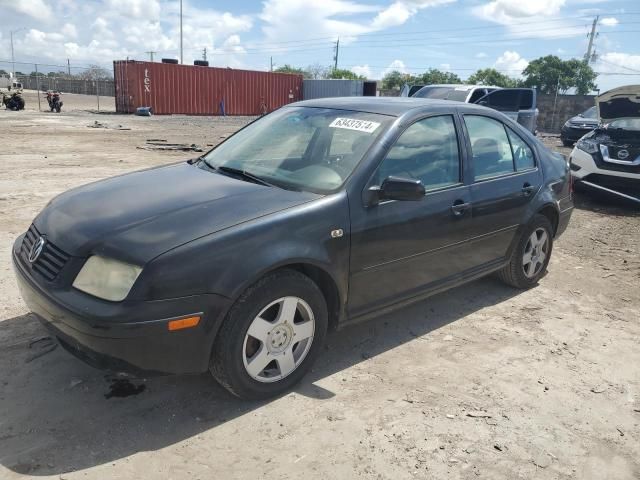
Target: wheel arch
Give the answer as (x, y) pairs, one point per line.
(321, 276)
(550, 211)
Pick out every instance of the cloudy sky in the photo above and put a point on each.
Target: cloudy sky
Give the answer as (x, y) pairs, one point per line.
(375, 35)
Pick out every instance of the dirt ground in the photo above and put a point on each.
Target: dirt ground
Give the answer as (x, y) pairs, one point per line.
(480, 382)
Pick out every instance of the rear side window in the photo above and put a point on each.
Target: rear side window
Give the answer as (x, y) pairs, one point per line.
(521, 152)
(426, 151)
(490, 147)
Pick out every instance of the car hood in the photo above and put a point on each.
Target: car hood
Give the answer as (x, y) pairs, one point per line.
(578, 120)
(138, 216)
(621, 102)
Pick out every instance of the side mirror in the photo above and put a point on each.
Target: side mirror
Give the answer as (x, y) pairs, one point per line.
(396, 188)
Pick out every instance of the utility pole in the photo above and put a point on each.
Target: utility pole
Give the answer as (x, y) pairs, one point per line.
(13, 59)
(592, 35)
(335, 57)
(151, 55)
(271, 63)
(204, 54)
(68, 67)
(181, 57)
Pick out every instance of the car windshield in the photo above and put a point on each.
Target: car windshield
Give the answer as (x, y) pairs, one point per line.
(626, 124)
(302, 148)
(590, 113)
(443, 93)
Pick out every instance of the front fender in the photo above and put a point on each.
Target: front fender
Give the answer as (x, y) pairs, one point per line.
(227, 262)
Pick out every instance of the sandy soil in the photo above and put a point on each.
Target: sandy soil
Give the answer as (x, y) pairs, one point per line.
(480, 382)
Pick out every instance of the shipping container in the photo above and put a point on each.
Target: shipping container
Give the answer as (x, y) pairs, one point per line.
(337, 88)
(195, 90)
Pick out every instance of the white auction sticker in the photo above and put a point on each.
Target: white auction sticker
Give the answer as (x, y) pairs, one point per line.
(353, 124)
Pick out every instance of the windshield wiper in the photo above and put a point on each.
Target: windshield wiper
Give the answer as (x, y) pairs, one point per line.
(244, 174)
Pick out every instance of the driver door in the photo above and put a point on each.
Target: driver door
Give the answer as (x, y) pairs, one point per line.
(401, 248)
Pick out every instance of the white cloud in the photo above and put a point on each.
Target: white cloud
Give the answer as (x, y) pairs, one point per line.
(69, 30)
(363, 70)
(523, 18)
(616, 62)
(37, 9)
(446, 67)
(103, 30)
(289, 20)
(400, 11)
(508, 10)
(397, 65)
(481, 55)
(609, 21)
(510, 63)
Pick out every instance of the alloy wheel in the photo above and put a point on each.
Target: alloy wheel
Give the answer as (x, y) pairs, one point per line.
(278, 339)
(535, 252)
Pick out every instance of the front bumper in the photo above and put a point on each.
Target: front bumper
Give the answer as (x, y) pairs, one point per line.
(129, 337)
(585, 170)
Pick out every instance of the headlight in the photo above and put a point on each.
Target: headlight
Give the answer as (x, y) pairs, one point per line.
(587, 145)
(106, 278)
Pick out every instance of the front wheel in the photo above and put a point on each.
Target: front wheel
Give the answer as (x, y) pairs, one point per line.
(271, 336)
(531, 255)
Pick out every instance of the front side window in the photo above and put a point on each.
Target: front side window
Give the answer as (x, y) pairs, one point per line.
(490, 147)
(304, 148)
(426, 151)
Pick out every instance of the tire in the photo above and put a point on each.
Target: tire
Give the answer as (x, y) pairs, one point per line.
(517, 272)
(235, 350)
(567, 143)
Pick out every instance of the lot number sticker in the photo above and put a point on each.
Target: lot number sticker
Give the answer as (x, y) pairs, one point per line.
(353, 124)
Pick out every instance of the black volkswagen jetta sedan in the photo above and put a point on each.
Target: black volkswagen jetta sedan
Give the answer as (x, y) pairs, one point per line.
(321, 213)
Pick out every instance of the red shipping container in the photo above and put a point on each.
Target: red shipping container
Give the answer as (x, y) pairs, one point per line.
(193, 90)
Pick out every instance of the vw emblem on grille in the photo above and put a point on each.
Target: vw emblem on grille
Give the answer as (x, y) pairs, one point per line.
(622, 154)
(36, 249)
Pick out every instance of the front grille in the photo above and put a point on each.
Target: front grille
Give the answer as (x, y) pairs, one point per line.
(50, 261)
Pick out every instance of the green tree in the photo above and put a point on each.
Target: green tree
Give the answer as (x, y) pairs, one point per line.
(550, 74)
(4, 72)
(286, 68)
(434, 76)
(490, 76)
(395, 80)
(341, 73)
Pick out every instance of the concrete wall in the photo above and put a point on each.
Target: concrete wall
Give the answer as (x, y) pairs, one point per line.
(552, 118)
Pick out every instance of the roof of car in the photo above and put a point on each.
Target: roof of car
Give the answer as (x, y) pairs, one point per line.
(395, 106)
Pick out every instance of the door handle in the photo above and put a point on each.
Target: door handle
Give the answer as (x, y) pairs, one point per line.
(459, 208)
(528, 189)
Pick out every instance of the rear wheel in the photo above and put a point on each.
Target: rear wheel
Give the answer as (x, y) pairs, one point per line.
(531, 255)
(271, 336)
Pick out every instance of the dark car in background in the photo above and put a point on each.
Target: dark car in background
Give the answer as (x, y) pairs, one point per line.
(322, 213)
(577, 127)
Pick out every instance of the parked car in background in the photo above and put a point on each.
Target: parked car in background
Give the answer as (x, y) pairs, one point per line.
(459, 93)
(577, 127)
(608, 158)
(519, 104)
(319, 214)
(409, 90)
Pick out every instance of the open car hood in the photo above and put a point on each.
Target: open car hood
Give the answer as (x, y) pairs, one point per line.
(621, 102)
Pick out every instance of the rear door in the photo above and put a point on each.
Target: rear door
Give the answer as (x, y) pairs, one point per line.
(519, 104)
(505, 178)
